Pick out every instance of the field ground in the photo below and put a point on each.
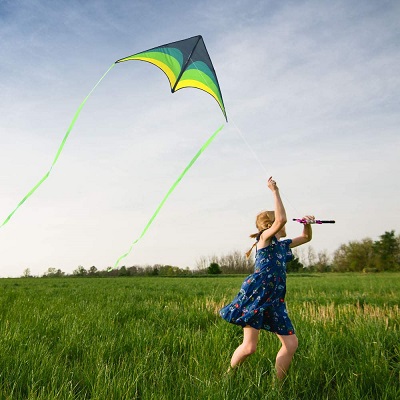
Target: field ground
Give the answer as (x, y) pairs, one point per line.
(161, 338)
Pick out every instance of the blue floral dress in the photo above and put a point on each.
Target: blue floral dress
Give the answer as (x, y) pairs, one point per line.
(261, 300)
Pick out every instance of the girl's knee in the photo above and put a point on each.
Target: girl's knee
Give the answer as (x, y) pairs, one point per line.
(289, 343)
(249, 348)
(250, 340)
(292, 344)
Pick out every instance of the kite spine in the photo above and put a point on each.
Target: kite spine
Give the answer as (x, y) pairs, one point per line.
(186, 63)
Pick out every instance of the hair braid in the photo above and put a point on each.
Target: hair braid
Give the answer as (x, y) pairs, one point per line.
(264, 221)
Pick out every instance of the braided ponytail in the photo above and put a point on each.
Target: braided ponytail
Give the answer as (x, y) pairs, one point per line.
(264, 221)
(248, 253)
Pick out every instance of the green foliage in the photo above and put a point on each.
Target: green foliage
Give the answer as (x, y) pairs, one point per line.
(382, 255)
(294, 266)
(80, 271)
(169, 270)
(388, 252)
(53, 273)
(214, 269)
(151, 338)
(123, 271)
(93, 271)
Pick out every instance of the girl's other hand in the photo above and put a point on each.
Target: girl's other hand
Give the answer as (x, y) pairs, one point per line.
(310, 219)
(272, 184)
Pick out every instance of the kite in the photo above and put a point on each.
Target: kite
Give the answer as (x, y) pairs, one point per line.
(187, 64)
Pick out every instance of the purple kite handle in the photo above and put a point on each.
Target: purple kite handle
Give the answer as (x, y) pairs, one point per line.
(317, 221)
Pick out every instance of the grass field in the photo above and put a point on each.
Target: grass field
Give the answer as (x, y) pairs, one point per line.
(161, 338)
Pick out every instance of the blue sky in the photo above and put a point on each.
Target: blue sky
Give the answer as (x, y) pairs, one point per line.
(312, 86)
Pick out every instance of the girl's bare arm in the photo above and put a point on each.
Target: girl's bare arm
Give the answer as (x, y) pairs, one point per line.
(306, 236)
(280, 215)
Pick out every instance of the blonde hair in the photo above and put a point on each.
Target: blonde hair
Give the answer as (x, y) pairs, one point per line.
(264, 221)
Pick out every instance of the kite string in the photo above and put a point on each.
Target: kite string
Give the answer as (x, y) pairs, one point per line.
(248, 144)
(250, 148)
(261, 164)
(60, 148)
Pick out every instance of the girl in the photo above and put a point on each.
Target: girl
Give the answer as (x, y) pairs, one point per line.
(260, 304)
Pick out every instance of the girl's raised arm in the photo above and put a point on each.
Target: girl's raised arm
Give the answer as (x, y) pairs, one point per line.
(280, 215)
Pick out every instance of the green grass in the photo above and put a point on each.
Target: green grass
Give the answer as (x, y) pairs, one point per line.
(161, 338)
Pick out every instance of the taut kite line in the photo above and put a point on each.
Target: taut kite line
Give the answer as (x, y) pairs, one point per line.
(186, 63)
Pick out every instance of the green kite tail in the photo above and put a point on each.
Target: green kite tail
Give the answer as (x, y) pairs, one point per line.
(171, 189)
(46, 175)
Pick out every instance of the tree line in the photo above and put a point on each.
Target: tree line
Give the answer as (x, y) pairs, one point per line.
(365, 255)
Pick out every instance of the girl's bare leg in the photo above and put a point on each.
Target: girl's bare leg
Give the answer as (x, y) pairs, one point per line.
(285, 354)
(249, 346)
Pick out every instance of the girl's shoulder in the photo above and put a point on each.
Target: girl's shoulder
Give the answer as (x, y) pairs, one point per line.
(286, 242)
(268, 244)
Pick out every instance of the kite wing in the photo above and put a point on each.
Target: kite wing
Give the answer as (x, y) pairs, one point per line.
(186, 64)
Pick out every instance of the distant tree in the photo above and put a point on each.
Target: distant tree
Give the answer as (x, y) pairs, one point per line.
(354, 256)
(150, 271)
(110, 272)
(398, 253)
(322, 263)
(214, 269)
(169, 270)
(232, 263)
(50, 272)
(294, 266)
(203, 262)
(27, 273)
(299, 252)
(388, 252)
(53, 273)
(236, 263)
(93, 271)
(133, 270)
(80, 271)
(123, 271)
(311, 257)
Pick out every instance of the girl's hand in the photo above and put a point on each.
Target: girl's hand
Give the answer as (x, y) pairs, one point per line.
(310, 219)
(272, 184)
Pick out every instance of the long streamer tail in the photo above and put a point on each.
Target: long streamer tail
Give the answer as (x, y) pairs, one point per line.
(171, 189)
(46, 175)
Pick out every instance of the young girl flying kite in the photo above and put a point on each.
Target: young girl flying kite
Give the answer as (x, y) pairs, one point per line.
(260, 304)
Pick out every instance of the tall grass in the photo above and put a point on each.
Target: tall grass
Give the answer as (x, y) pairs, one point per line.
(162, 338)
